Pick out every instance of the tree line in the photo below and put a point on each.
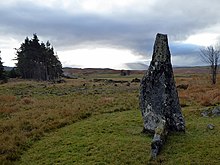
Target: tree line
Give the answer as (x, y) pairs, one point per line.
(2, 72)
(34, 61)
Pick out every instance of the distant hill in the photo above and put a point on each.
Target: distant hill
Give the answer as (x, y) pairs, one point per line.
(191, 70)
(8, 68)
(136, 66)
(89, 70)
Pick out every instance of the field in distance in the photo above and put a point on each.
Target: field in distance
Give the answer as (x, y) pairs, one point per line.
(100, 71)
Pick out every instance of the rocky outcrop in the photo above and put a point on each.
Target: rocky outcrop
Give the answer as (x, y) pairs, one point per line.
(159, 100)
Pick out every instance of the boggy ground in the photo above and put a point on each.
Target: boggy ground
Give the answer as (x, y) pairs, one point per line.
(87, 122)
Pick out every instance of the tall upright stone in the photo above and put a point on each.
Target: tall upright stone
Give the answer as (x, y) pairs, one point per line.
(159, 100)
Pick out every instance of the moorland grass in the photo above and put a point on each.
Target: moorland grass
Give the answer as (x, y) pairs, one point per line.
(29, 109)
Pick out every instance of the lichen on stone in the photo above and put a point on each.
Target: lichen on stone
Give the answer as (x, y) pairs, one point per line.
(159, 100)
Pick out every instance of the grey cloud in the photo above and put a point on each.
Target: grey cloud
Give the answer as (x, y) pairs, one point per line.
(181, 48)
(133, 30)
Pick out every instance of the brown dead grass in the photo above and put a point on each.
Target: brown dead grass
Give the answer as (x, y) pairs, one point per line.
(200, 91)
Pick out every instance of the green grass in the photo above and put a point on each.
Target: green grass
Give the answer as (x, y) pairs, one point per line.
(198, 145)
(116, 138)
(113, 138)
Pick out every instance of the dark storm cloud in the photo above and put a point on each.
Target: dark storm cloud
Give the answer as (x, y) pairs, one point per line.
(134, 30)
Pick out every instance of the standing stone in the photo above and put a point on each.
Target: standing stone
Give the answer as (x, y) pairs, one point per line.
(159, 100)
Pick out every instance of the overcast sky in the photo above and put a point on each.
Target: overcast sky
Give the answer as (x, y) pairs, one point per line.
(110, 33)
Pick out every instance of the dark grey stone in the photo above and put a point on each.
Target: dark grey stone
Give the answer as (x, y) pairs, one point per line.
(216, 111)
(159, 100)
(210, 126)
(205, 113)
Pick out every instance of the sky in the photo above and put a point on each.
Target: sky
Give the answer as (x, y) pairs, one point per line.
(116, 34)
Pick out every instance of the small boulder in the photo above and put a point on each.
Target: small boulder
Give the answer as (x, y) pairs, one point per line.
(216, 111)
(205, 113)
(210, 126)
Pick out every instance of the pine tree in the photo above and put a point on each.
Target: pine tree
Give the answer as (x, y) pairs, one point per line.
(13, 73)
(3, 76)
(37, 61)
(1, 69)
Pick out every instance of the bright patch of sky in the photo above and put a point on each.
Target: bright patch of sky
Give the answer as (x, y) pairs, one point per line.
(203, 39)
(98, 58)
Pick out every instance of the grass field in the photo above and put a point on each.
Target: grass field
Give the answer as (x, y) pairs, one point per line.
(83, 121)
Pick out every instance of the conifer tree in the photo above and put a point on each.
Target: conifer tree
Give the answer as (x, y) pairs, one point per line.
(1, 69)
(3, 76)
(37, 61)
